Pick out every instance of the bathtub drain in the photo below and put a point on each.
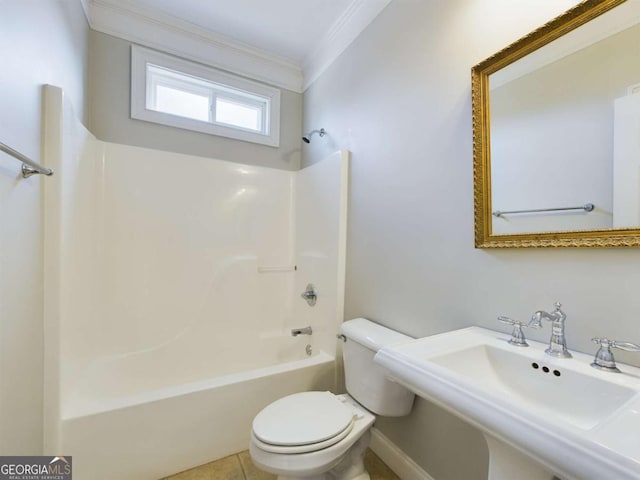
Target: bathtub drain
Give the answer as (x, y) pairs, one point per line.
(308, 350)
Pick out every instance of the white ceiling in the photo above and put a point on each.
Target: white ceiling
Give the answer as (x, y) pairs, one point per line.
(286, 43)
(287, 28)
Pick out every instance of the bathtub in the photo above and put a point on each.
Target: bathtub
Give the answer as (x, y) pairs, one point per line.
(171, 283)
(147, 434)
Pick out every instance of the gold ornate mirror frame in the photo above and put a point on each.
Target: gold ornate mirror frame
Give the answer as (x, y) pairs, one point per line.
(568, 21)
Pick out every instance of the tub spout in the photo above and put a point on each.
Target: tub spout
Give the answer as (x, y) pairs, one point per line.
(301, 331)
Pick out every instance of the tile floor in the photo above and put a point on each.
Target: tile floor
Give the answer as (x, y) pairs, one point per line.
(240, 467)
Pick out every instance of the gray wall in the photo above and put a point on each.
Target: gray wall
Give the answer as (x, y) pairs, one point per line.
(110, 80)
(400, 99)
(42, 42)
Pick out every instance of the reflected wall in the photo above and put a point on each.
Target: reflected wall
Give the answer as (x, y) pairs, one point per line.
(552, 138)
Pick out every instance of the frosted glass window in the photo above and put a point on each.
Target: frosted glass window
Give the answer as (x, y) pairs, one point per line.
(185, 104)
(178, 93)
(238, 114)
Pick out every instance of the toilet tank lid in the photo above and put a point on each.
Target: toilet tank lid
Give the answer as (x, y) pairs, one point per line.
(371, 335)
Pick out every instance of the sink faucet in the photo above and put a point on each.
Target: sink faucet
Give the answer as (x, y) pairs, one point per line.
(558, 343)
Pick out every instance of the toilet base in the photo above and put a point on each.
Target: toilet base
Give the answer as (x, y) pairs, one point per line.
(351, 467)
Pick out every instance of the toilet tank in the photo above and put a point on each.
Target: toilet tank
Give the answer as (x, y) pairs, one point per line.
(365, 380)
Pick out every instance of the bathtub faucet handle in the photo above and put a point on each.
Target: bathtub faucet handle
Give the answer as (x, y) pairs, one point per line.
(301, 331)
(310, 295)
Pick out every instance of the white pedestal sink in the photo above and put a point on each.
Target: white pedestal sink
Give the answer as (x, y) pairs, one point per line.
(542, 416)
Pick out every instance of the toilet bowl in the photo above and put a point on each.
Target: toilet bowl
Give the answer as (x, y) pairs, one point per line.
(322, 436)
(308, 446)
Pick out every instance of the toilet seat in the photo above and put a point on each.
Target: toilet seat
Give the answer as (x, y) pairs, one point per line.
(303, 422)
(316, 462)
(311, 447)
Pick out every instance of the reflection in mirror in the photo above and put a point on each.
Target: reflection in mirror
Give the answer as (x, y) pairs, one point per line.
(564, 129)
(552, 139)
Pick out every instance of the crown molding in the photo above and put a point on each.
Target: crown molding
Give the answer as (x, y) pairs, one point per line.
(85, 9)
(163, 32)
(342, 33)
(623, 17)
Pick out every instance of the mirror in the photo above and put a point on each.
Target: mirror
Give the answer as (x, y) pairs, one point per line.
(556, 125)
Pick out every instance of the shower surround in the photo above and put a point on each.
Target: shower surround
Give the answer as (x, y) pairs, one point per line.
(171, 285)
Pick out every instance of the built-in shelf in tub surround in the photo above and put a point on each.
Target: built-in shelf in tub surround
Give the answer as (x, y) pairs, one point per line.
(276, 268)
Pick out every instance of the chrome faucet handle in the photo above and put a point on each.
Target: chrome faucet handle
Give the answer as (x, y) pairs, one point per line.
(517, 335)
(604, 359)
(310, 295)
(511, 321)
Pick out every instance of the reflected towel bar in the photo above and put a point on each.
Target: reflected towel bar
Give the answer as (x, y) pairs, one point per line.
(29, 167)
(588, 207)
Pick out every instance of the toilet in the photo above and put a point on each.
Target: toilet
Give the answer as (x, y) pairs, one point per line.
(320, 435)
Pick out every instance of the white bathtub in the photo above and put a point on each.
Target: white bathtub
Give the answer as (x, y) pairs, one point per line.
(150, 434)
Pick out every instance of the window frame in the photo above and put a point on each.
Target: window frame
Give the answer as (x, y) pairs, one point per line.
(233, 85)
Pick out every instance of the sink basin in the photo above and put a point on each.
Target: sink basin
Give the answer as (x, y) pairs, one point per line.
(559, 392)
(572, 420)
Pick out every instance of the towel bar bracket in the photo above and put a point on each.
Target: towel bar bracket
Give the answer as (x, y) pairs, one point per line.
(29, 167)
(27, 171)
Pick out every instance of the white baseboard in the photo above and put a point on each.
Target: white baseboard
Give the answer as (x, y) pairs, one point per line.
(395, 458)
